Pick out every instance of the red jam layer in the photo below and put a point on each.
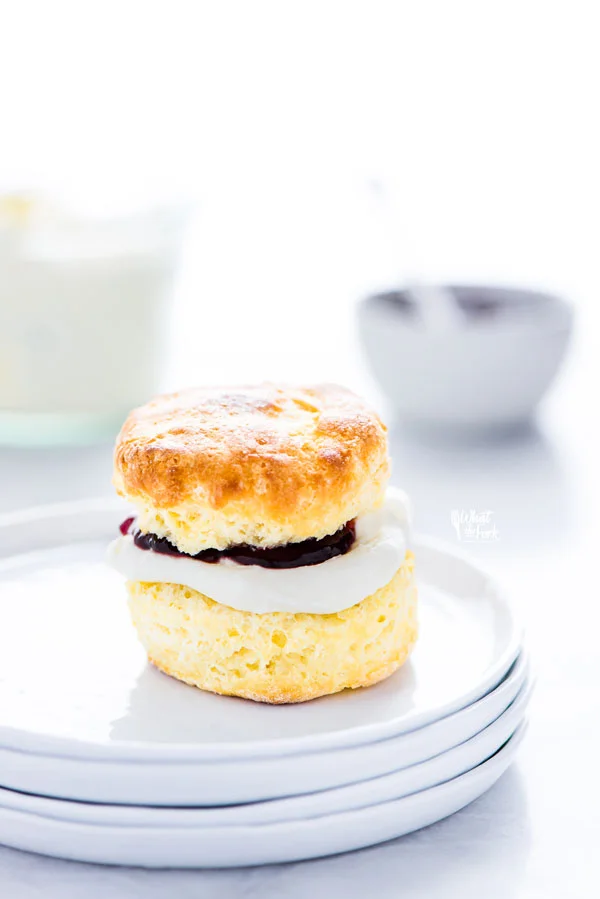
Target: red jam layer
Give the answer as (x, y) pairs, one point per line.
(291, 555)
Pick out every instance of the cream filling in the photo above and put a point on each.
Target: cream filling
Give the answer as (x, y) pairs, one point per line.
(382, 538)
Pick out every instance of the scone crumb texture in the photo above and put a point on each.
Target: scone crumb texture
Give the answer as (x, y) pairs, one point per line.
(276, 657)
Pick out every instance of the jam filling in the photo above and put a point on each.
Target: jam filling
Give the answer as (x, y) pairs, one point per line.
(290, 555)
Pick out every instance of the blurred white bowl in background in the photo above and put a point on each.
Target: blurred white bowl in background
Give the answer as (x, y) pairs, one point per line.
(488, 371)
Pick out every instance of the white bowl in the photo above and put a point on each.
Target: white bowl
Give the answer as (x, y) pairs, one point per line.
(488, 371)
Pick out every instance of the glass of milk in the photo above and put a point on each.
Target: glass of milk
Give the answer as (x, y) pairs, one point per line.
(83, 307)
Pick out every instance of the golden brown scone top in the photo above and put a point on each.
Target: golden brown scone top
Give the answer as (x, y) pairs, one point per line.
(269, 451)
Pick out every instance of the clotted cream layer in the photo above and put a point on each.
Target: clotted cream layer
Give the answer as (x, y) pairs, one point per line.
(382, 538)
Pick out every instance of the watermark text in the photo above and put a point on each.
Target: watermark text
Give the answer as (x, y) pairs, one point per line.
(474, 526)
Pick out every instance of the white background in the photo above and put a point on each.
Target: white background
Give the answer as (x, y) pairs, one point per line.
(479, 118)
(481, 121)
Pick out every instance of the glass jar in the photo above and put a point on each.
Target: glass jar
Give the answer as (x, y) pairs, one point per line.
(83, 303)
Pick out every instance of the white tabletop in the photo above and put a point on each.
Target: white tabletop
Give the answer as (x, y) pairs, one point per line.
(535, 833)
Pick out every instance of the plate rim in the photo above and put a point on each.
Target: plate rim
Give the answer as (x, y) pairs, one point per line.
(516, 714)
(426, 743)
(473, 783)
(98, 510)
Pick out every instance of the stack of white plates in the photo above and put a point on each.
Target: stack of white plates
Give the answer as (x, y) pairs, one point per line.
(104, 759)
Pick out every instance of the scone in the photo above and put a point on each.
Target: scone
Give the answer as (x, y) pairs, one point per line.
(267, 559)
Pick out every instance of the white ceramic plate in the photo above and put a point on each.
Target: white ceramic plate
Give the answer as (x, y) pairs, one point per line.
(188, 782)
(443, 767)
(74, 681)
(256, 844)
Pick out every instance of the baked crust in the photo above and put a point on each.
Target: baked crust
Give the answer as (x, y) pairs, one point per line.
(262, 465)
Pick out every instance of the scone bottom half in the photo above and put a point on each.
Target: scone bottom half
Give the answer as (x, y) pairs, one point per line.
(276, 657)
(264, 477)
